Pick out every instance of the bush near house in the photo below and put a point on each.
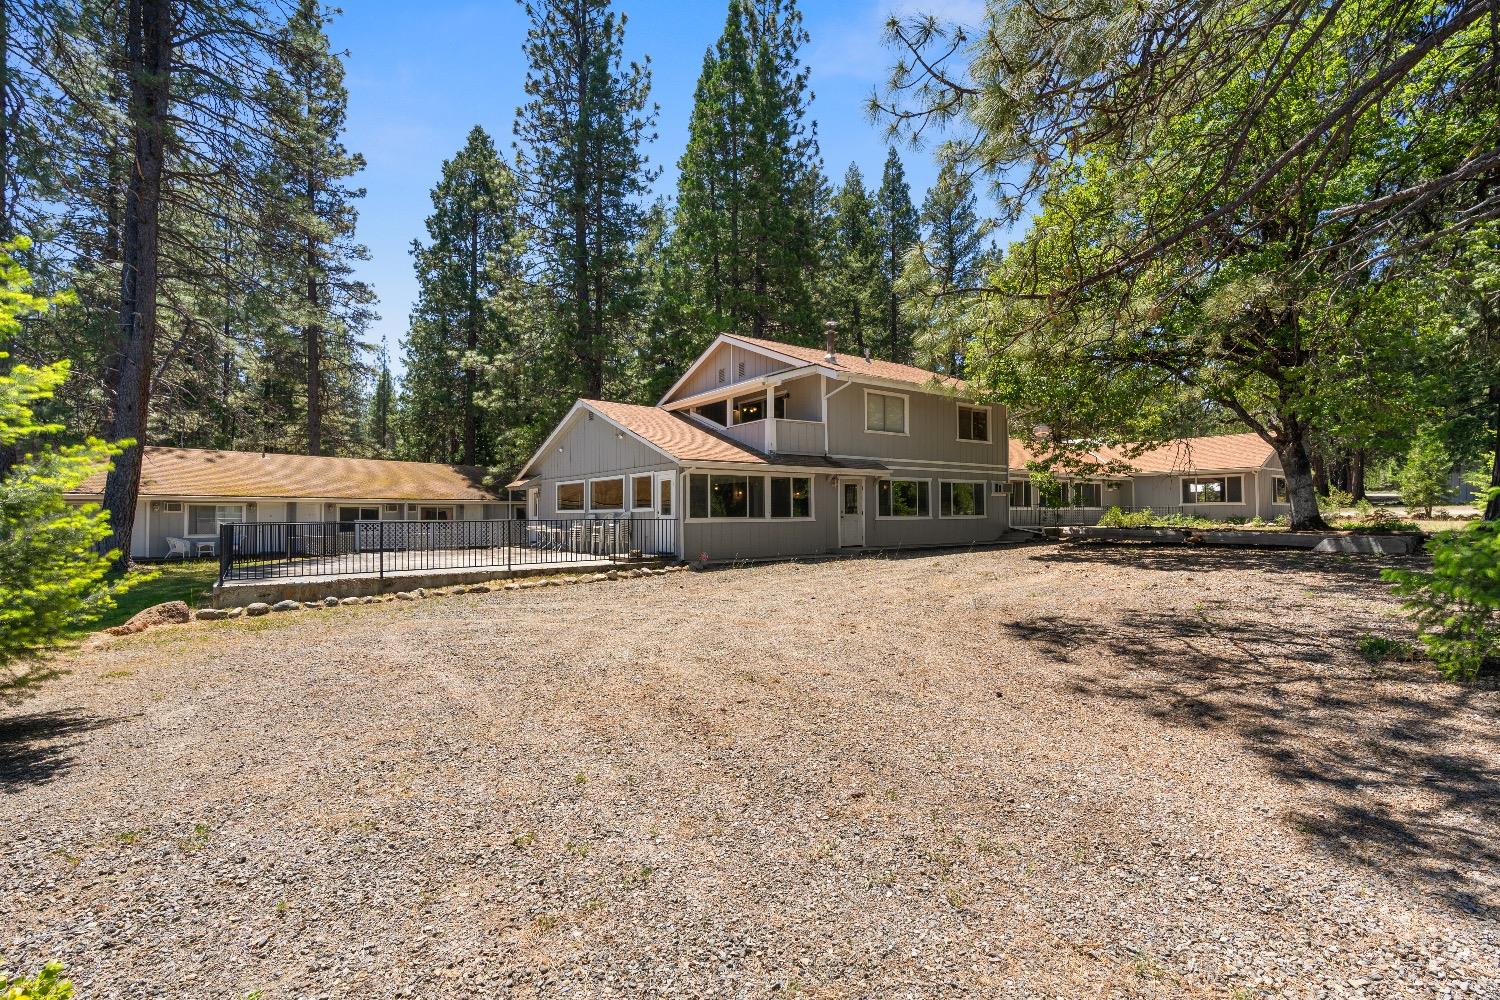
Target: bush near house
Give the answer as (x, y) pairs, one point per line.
(1456, 606)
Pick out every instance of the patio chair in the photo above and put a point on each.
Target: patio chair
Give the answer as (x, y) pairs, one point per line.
(177, 547)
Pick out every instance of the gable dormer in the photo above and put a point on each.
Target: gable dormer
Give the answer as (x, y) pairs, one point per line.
(728, 362)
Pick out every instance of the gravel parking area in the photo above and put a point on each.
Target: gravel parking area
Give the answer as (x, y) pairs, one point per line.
(1035, 772)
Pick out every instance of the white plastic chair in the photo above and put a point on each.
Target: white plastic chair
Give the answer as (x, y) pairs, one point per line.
(178, 547)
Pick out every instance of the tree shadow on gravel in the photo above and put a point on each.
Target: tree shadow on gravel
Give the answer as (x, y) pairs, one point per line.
(1400, 771)
(37, 747)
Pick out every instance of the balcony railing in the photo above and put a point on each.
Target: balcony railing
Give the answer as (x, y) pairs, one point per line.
(793, 437)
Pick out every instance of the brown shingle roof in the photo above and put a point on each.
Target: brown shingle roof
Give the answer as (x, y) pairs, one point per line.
(193, 472)
(856, 365)
(1212, 453)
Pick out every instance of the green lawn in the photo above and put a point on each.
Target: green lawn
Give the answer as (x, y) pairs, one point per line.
(190, 580)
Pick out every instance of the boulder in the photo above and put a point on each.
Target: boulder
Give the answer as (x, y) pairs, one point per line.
(349, 601)
(312, 605)
(479, 588)
(613, 574)
(512, 586)
(419, 593)
(402, 595)
(170, 613)
(288, 605)
(234, 613)
(257, 609)
(369, 599)
(329, 602)
(210, 614)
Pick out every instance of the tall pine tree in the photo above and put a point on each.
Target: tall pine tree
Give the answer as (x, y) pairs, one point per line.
(580, 138)
(746, 229)
(951, 254)
(897, 230)
(471, 249)
(317, 218)
(856, 290)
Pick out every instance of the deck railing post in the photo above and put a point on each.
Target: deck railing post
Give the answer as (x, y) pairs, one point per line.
(382, 548)
(509, 549)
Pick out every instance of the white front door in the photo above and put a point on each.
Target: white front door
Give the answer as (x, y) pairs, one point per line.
(851, 512)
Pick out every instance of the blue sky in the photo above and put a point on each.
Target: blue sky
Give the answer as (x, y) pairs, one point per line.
(420, 75)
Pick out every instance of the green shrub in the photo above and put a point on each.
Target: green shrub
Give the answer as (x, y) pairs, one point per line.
(1338, 499)
(52, 574)
(1377, 522)
(1380, 649)
(1117, 518)
(1456, 606)
(1423, 480)
(45, 985)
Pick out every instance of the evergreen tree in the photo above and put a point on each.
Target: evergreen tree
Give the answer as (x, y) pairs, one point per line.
(472, 248)
(316, 219)
(746, 233)
(856, 289)
(954, 248)
(580, 137)
(897, 229)
(382, 410)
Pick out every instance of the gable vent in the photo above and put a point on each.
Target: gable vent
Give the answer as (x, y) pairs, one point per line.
(740, 370)
(721, 376)
(174, 506)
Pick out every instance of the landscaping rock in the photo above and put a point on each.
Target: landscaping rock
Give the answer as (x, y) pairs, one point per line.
(234, 613)
(350, 601)
(287, 605)
(613, 574)
(512, 586)
(419, 593)
(312, 605)
(257, 609)
(370, 599)
(479, 588)
(170, 613)
(329, 602)
(1369, 545)
(210, 614)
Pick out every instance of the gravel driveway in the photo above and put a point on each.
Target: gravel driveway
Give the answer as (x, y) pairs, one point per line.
(1037, 772)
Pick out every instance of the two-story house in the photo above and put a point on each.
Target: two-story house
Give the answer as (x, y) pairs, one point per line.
(764, 449)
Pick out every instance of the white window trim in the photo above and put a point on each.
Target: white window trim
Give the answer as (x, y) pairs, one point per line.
(1280, 503)
(650, 507)
(1226, 502)
(864, 415)
(983, 487)
(670, 478)
(588, 495)
(989, 424)
(557, 506)
(812, 498)
(187, 517)
(905, 517)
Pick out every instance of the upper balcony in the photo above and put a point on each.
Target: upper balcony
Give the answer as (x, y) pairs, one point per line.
(781, 436)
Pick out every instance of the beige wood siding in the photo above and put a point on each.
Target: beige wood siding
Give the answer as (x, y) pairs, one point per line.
(592, 449)
(739, 364)
(932, 430)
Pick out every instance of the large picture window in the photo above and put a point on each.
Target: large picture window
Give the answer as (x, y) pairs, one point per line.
(960, 499)
(791, 496)
(205, 518)
(570, 496)
(607, 494)
(1213, 489)
(885, 412)
(726, 496)
(974, 423)
(904, 498)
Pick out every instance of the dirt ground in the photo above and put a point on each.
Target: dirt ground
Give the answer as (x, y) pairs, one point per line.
(1034, 772)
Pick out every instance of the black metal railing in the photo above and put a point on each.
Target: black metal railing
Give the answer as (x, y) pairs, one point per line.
(1049, 517)
(278, 550)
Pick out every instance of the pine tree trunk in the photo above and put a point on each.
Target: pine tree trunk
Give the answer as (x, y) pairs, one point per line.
(471, 422)
(584, 309)
(1297, 470)
(148, 54)
(1492, 507)
(1357, 474)
(314, 337)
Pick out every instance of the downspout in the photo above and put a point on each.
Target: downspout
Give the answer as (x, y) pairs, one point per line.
(826, 397)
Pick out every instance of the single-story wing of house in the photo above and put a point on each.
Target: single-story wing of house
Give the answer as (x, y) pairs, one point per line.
(764, 449)
(187, 493)
(1218, 476)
